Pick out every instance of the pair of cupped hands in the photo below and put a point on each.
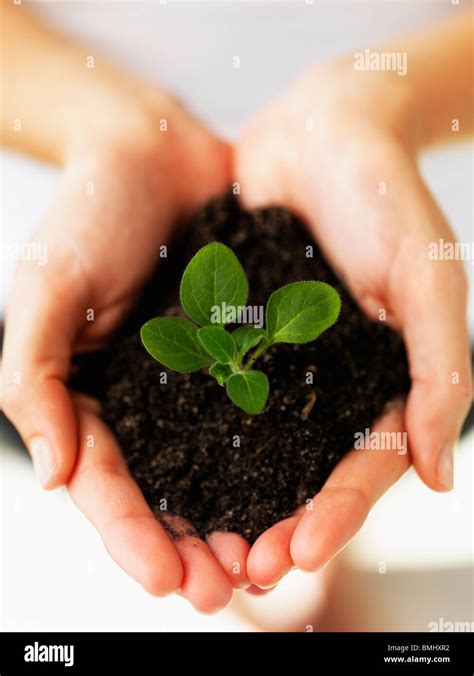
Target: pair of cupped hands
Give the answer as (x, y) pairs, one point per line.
(339, 149)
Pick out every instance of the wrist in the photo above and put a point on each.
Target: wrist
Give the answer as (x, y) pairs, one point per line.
(147, 133)
(119, 114)
(369, 103)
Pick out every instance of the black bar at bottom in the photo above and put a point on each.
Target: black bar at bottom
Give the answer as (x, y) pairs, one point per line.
(146, 653)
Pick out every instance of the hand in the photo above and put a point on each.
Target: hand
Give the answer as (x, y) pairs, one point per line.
(339, 150)
(115, 205)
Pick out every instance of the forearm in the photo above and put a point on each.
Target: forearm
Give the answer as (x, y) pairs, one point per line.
(439, 74)
(415, 91)
(58, 100)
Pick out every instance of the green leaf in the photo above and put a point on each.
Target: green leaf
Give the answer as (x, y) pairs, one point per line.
(212, 277)
(221, 372)
(218, 343)
(248, 390)
(246, 337)
(300, 312)
(173, 341)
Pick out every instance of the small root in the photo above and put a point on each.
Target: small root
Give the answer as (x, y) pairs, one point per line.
(309, 406)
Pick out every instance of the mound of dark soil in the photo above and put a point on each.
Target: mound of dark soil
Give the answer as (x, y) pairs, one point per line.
(180, 438)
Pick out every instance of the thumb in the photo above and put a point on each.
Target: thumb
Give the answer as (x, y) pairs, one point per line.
(43, 313)
(429, 298)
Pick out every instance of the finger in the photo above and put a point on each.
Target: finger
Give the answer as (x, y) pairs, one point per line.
(104, 491)
(231, 550)
(270, 558)
(338, 511)
(214, 176)
(253, 590)
(41, 319)
(429, 299)
(205, 584)
(258, 166)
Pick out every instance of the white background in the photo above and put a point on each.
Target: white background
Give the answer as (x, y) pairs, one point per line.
(56, 574)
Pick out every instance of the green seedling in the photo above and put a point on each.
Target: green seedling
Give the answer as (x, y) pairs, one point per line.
(215, 280)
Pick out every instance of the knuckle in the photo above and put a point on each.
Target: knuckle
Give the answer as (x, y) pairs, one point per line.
(464, 395)
(11, 399)
(160, 583)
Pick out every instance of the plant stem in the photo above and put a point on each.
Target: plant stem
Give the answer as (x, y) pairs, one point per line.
(263, 346)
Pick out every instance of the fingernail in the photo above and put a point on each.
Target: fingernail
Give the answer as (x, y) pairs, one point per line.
(445, 467)
(268, 587)
(44, 460)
